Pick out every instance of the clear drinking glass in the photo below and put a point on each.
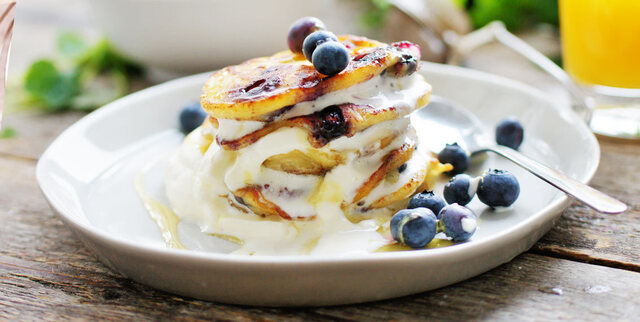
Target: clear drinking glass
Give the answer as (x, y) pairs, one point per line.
(601, 52)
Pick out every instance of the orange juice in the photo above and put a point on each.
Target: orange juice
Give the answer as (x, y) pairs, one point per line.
(601, 41)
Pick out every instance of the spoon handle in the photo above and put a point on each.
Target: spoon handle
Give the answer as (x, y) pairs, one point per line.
(591, 197)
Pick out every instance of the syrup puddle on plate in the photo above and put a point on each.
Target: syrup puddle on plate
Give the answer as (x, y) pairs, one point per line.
(164, 217)
(396, 247)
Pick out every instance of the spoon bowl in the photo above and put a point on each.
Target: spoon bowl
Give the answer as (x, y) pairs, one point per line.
(445, 123)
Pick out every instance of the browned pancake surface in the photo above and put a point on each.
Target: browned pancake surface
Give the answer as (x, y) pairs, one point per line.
(259, 88)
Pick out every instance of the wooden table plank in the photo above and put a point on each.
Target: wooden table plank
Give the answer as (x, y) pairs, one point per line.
(588, 236)
(531, 287)
(34, 132)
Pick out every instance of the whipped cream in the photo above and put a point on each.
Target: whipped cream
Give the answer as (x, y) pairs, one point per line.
(229, 129)
(198, 187)
(198, 191)
(469, 225)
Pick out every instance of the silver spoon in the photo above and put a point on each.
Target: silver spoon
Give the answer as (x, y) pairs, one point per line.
(443, 119)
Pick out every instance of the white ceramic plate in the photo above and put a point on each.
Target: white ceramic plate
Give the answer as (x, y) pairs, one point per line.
(87, 175)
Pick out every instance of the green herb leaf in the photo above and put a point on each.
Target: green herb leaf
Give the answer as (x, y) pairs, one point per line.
(374, 17)
(46, 84)
(62, 92)
(84, 78)
(381, 4)
(103, 57)
(71, 44)
(41, 76)
(8, 133)
(100, 90)
(516, 15)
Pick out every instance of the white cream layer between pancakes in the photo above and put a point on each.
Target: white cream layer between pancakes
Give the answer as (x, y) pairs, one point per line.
(379, 91)
(199, 185)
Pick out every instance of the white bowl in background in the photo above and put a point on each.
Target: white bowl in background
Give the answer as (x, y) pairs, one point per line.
(177, 37)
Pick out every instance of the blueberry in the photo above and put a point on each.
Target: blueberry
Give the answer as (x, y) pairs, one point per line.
(414, 227)
(456, 156)
(191, 117)
(510, 133)
(460, 189)
(330, 58)
(498, 188)
(458, 222)
(314, 40)
(429, 200)
(300, 29)
(406, 66)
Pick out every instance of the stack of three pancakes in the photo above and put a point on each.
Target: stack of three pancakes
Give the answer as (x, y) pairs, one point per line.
(285, 146)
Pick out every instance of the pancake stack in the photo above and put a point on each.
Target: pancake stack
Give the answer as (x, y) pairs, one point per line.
(283, 142)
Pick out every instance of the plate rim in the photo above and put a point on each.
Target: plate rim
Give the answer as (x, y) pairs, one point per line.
(540, 217)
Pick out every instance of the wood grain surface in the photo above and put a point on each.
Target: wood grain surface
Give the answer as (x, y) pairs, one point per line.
(586, 268)
(611, 240)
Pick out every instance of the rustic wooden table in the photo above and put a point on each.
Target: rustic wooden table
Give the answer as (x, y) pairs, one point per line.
(586, 268)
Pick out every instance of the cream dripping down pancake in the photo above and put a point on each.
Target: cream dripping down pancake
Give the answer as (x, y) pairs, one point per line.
(290, 161)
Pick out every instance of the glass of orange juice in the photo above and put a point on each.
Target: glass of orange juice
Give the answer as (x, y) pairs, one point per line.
(601, 52)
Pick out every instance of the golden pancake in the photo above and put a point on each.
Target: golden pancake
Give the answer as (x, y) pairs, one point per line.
(260, 88)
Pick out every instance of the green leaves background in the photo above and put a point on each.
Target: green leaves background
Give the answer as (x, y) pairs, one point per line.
(84, 78)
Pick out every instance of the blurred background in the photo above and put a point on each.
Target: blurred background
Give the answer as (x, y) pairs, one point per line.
(81, 54)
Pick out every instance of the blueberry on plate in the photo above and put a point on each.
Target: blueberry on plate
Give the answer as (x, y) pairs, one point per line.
(191, 117)
(458, 222)
(460, 189)
(498, 188)
(316, 39)
(414, 227)
(330, 58)
(300, 29)
(510, 133)
(456, 156)
(429, 200)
